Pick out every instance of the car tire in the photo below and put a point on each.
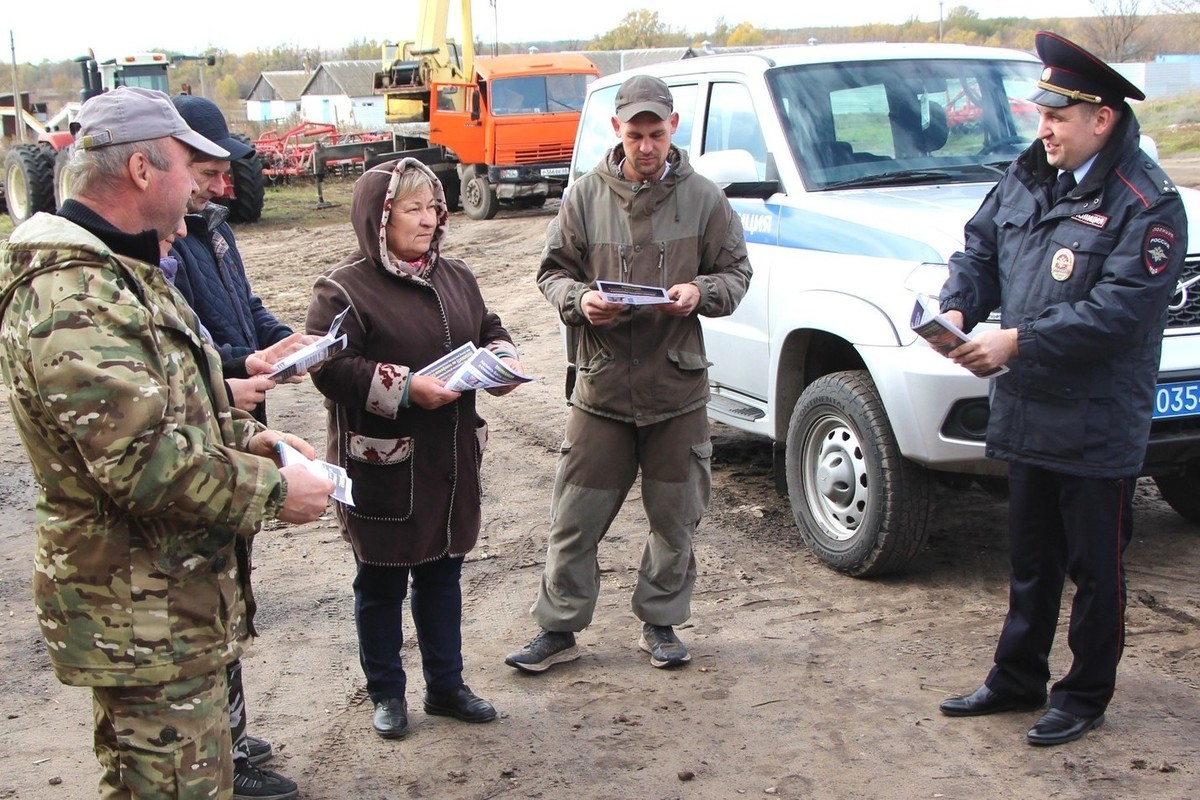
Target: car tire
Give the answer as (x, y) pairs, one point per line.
(862, 508)
(1181, 491)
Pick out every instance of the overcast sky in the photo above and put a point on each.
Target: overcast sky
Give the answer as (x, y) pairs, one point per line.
(65, 29)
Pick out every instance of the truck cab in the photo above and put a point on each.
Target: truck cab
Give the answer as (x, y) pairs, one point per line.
(854, 169)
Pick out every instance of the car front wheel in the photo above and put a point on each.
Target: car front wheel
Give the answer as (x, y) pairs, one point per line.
(862, 507)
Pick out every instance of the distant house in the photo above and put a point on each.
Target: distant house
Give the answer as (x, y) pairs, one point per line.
(276, 95)
(342, 92)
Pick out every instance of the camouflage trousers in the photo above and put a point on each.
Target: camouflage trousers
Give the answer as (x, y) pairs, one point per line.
(167, 742)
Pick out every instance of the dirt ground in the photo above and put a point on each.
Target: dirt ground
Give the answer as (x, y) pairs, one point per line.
(804, 683)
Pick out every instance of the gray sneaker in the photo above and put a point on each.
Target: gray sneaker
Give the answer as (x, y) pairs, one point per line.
(663, 645)
(544, 651)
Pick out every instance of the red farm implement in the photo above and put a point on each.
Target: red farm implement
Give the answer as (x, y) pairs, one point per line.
(314, 148)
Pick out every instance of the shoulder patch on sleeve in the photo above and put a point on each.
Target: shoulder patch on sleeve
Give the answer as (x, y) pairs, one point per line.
(1156, 250)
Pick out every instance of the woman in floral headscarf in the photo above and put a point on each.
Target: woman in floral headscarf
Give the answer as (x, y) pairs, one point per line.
(411, 446)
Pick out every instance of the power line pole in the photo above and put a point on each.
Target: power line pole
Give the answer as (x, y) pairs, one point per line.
(18, 116)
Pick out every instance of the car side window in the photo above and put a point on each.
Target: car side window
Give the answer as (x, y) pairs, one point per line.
(733, 125)
(684, 98)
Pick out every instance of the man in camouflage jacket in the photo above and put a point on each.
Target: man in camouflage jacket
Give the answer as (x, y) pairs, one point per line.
(145, 477)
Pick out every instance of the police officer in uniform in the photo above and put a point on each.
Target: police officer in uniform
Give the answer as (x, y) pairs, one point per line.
(1079, 245)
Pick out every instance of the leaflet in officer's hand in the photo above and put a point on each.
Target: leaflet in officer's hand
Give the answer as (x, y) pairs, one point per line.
(942, 334)
(470, 367)
(632, 294)
(312, 354)
(342, 485)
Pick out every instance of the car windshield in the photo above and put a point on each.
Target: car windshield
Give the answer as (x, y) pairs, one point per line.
(878, 123)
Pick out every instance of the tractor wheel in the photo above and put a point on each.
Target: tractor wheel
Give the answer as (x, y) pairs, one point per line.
(29, 181)
(246, 205)
(63, 182)
(478, 198)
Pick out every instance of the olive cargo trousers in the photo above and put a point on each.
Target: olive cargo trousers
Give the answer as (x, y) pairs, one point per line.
(597, 464)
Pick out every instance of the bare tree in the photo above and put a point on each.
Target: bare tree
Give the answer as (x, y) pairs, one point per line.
(1112, 31)
(1188, 12)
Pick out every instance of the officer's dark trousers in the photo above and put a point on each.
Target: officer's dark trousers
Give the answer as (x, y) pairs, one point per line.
(436, 605)
(1064, 525)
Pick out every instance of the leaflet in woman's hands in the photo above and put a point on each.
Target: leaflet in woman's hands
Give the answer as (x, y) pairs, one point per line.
(470, 367)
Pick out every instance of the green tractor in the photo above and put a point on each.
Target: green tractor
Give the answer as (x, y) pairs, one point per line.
(35, 177)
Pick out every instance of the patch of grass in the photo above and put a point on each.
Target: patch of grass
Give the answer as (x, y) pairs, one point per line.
(302, 203)
(1172, 123)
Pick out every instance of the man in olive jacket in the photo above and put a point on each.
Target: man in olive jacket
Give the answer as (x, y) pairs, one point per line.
(644, 217)
(145, 477)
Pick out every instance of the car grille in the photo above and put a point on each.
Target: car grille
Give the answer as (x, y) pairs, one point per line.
(1187, 315)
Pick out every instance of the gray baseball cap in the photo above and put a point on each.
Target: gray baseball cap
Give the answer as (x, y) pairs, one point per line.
(644, 93)
(132, 114)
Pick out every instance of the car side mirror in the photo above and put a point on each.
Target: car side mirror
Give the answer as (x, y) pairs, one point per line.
(736, 172)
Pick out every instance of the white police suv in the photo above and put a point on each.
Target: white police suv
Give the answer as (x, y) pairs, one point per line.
(854, 169)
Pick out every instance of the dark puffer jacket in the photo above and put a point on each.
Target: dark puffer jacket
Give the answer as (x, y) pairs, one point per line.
(213, 280)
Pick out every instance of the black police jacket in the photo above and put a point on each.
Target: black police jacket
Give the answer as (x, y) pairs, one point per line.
(1086, 284)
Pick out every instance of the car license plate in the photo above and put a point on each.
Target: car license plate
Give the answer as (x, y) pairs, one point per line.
(1180, 399)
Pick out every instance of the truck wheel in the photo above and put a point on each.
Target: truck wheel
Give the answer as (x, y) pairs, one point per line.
(862, 507)
(478, 198)
(63, 182)
(246, 205)
(1181, 491)
(28, 181)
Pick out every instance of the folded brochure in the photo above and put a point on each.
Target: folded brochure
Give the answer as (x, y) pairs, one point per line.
(471, 367)
(312, 354)
(342, 485)
(942, 334)
(632, 294)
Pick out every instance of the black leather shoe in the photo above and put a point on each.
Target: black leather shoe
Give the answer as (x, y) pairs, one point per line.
(461, 704)
(1059, 727)
(391, 718)
(984, 701)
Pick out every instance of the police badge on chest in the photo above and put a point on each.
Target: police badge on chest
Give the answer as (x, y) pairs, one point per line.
(1063, 264)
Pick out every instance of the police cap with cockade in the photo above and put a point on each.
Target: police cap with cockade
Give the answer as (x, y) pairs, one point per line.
(1073, 75)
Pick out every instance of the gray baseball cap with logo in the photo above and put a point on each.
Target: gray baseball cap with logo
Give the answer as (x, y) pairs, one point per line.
(132, 114)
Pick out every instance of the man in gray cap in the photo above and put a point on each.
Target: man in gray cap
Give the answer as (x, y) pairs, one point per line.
(1080, 247)
(642, 216)
(212, 278)
(146, 478)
